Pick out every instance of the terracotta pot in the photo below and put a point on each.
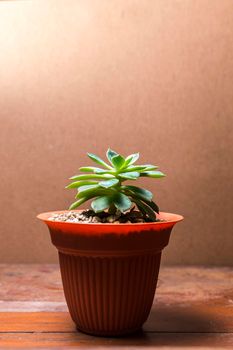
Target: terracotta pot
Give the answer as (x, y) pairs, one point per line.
(110, 271)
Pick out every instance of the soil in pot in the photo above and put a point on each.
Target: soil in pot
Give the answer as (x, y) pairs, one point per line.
(89, 216)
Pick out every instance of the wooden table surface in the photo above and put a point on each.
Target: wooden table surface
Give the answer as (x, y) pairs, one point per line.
(193, 309)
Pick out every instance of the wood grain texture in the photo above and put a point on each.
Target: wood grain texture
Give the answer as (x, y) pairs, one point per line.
(141, 341)
(199, 319)
(180, 285)
(193, 309)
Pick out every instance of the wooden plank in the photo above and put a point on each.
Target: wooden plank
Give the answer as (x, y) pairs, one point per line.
(36, 322)
(144, 341)
(33, 306)
(162, 319)
(193, 318)
(177, 285)
(31, 282)
(192, 309)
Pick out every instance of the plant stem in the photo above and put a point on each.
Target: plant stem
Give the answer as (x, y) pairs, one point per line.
(112, 209)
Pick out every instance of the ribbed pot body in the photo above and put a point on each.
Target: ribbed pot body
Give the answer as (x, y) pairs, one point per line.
(110, 271)
(109, 295)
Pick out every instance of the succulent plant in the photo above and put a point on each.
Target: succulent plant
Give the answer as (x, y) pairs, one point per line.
(107, 185)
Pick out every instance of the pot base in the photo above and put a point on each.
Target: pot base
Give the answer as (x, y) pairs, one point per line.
(114, 334)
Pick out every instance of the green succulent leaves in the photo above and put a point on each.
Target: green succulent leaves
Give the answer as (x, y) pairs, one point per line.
(105, 185)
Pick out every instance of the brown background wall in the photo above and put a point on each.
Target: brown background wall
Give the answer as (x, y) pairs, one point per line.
(148, 76)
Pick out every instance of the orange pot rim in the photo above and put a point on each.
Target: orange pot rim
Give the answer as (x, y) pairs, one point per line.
(169, 218)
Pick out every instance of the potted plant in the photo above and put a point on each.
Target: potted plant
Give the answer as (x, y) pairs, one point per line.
(110, 254)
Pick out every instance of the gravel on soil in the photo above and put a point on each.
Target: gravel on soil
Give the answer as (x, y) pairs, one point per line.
(89, 216)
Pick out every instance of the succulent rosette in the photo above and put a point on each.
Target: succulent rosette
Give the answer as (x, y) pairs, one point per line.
(106, 185)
